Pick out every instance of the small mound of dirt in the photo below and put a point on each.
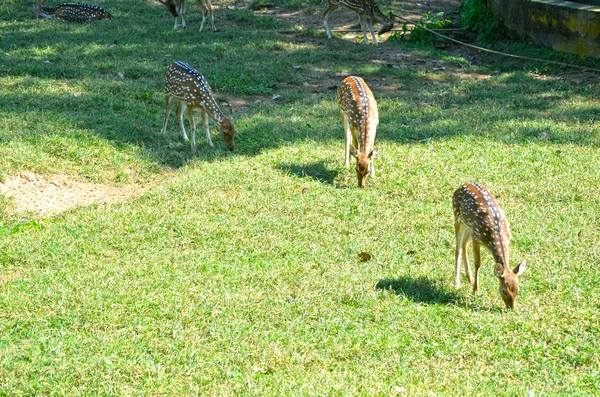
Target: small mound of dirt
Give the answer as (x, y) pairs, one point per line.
(51, 195)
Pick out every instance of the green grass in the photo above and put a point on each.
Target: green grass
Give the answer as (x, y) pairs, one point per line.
(239, 273)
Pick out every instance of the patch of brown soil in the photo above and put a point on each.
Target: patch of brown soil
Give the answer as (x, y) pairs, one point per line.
(342, 18)
(244, 101)
(51, 195)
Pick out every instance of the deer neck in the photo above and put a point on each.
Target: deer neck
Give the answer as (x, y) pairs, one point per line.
(47, 12)
(211, 107)
(378, 15)
(498, 247)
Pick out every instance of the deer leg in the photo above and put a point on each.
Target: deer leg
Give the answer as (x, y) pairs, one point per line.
(206, 129)
(180, 110)
(460, 232)
(348, 137)
(169, 102)
(465, 257)
(330, 9)
(372, 170)
(204, 9)
(190, 114)
(370, 25)
(207, 10)
(477, 259)
(363, 21)
(202, 23)
(182, 13)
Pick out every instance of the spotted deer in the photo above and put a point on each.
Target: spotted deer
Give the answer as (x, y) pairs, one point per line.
(360, 119)
(71, 12)
(478, 218)
(368, 13)
(193, 92)
(177, 9)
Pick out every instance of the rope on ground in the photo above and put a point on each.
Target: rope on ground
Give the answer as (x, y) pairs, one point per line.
(496, 52)
(333, 31)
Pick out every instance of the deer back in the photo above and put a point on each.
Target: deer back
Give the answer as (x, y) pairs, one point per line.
(368, 8)
(81, 13)
(356, 100)
(477, 209)
(186, 84)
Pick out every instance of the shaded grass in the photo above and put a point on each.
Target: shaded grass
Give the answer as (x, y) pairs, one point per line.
(239, 274)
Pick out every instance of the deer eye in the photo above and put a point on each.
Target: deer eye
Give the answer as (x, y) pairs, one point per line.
(503, 291)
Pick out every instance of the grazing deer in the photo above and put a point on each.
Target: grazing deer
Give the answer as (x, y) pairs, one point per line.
(177, 9)
(477, 217)
(368, 13)
(193, 92)
(360, 119)
(72, 12)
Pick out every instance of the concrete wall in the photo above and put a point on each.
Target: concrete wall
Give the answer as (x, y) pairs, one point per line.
(562, 25)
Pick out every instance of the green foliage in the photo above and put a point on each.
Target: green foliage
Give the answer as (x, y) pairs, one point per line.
(419, 35)
(477, 17)
(19, 226)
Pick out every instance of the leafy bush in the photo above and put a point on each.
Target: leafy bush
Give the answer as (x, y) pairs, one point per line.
(476, 16)
(418, 34)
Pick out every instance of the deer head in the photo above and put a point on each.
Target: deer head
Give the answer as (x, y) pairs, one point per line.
(509, 282)
(364, 163)
(37, 8)
(387, 25)
(170, 4)
(227, 130)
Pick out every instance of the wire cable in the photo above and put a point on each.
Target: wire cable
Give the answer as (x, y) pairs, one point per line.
(420, 25)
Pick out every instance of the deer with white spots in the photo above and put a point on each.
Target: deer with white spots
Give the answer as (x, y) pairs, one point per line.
(360, 119)
(368, 13)
(71, 12)
(177, 9)
(193, 92)
(478, 218)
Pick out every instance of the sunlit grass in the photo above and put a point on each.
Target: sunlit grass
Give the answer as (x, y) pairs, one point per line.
(239, 273)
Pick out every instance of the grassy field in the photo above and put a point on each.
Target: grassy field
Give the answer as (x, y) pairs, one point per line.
(240, 273)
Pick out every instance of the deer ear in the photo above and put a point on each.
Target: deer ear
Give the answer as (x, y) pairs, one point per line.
(374, 153)
(353, 151)
(499, 270)
(520, 268)
(228, 105)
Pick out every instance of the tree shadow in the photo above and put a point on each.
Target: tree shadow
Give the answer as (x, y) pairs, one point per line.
(317, 171)
(420, 290)
(105, 79)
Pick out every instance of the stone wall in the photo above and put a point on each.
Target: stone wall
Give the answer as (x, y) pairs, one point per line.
(563, 25)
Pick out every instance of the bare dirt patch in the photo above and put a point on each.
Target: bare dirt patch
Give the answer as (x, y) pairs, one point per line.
(342, 18)
(50, 195)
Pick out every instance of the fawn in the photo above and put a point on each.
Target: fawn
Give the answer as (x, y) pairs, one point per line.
(72, 12)
(368, 13)
(193, 92)
(177, 9)
(360, 119)
(477, 217)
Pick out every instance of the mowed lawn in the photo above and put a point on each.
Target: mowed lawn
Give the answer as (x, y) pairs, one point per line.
(244, 273)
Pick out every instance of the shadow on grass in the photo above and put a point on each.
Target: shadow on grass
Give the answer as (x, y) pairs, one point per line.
(420, 290)
(317, 171)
